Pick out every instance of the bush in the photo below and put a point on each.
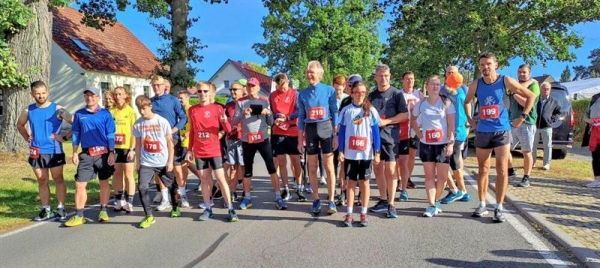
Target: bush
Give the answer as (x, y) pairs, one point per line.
(221, 99)
(579, 107)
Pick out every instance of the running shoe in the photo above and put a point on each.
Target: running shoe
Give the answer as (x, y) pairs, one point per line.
(331, 209)
(246, 203)
(202, 205)
(75, 221)
(206, 215)
(157, 198)
(301, 197)
(381, 206)
(594, 184)
(233, 216)
(118, 205)
(184, 202)
(438, 207)
(285, 194)
(546, 167)
(322, 181)
(347, 220)
(61, 214)
(430, 211)
(524, 183)
(175, 212)
(128, 207)
(451, 197)
(163, 205)
(341, 201)
(308, 189)
(411, 184)
(147, 221)
(44, 215)
(216, 193)
(316, 207)
(480, 211)
(280, 204)
(364, 221)
(466, 197)
(498, 216)
(103, 216)
(391, 212)
(404, 195)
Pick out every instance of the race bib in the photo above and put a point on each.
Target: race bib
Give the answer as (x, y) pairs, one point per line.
(204, 136)
(433, 135)
(489, 112)
(357, 143)
(119, 139)
(34, 152)
(256, 137)
(383, 116)
(97, 150)
(152, 146)
(316, 113)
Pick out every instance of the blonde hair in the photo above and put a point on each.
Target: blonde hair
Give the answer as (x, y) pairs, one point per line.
(142, 101)
(445, 99)
(108, 93)
(127, 92)
(158, 78)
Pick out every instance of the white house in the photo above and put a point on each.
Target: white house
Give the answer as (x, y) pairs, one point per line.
(84, 57)
(232, 71)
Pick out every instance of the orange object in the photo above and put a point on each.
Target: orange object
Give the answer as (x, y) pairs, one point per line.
(454, 80)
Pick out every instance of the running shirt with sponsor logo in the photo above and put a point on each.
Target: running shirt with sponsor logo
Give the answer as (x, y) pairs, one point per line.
(153, 133)
(388, 104)
(43, 122)
(411, 98)
(205, 124)
(433, 122)
(358, 133)
(185, 131)
(124, 120)
(284, 103)
(93, 129)
(493, 114)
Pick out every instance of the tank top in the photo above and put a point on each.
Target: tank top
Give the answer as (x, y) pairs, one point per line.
(493, 115)
(43, 122)
(411, 101)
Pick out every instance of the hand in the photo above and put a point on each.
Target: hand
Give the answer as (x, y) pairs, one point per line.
(111, 159)
(300, 148)
(174, 130)
(223, 118)
(341, 157)
(221, 134)
(30, 138)
(247, 111)
(377, 159)
(419, 135)
(170, 166)
(589, 121)
(517, 122)
(472, 123)
(56, 137)
(130, 155)
(188, 156)
(335, 143)
(279, 121)
(265, 112)
(449, 149)
(384, 122)
(75, 159)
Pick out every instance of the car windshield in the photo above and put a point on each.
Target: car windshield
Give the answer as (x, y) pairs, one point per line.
(563, 100)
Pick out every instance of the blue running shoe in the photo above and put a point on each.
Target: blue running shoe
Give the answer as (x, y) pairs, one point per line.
(451, 197)
(466, 197)
(391, 212)
(316, 207)
(403, 195)
(430, 211)
(381, 206)
(246, 203)
(308, 189)
(206, 215)
(280, 204)
(438, 207)
(332, 209)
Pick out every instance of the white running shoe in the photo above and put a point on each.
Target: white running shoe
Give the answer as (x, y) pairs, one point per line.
(594, 184)
(163, 205)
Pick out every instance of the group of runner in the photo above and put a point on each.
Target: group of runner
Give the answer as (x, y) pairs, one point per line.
(380, 131)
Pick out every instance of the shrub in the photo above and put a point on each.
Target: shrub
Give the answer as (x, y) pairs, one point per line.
(579, 107)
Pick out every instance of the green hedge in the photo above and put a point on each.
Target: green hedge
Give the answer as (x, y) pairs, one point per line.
(221, 99)
(579, 107)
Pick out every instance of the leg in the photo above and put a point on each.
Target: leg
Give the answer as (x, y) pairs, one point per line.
(42, 175)
(547, 140)
(61, 186)
(442, 176)
(379, 170)
(81, 194)
(313, 162)
(328, 159)
(402, 163)
(502, 153)
(429, 168)
(118, 181)
(130, 181)
(282, 166)
(104, 192)
(483, 162)
(145, 176)
(536, 141)
(350, 193)
(391, 181)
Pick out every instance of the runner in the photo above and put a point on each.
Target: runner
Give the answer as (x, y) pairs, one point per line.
(339, 84)
(205, 120)
(184, 99)
(493, 127)
(409, 142)
(391, 107)
(253, 113)
(235, 156)
(97, 155)
(154, 142)
(317, 118)
(125, 150)
(359, 145)
(285, 134)
(46, 155)
(352, 79)
(433, 121)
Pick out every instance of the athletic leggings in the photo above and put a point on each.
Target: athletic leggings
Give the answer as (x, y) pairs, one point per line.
(265, 151)
(596, 161)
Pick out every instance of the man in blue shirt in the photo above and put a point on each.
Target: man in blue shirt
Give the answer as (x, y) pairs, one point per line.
(97, 155)
(317, 114)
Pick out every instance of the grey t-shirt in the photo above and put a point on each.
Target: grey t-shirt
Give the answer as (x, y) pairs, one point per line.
(153, 132)
(388, 104)
(252, 124)
(432, 119)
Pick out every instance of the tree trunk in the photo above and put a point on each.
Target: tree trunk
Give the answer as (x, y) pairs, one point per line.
(31, 48)
(179, 15)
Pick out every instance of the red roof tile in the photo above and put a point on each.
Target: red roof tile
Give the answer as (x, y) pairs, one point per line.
(114, 50)
(264, 80)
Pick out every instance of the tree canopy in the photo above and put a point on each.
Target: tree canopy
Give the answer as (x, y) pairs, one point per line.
(343, 35)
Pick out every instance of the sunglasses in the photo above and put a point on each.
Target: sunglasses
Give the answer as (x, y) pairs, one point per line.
(234, 89)
(203, 91)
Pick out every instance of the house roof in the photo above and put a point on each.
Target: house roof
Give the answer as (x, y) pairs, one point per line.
(114, 50)
(264, 80)
(544, 78)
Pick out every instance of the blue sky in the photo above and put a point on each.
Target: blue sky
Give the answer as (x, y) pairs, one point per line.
(230, 30)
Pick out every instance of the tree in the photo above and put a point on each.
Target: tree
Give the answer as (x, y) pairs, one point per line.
(257, 67)
(565, 76)
(427, 35)
(581, 72)
(181, 49)
(25, 44)
(342, 34)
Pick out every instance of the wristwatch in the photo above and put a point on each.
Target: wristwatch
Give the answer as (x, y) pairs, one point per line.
(378, 151)
(450, 142)
(525, 116)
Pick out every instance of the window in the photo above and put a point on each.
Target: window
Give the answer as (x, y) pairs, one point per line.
(226, 82)
(1, 102)
(147, 91)
(80, 44)
(104, 86)
(127, 86)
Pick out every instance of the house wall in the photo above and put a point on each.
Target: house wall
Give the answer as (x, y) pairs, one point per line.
(229, 72)
(95, 79)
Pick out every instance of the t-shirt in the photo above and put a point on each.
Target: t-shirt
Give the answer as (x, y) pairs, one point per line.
(254, 127)
(432, 118)
(153, 134)
(388, 104)
(124, 120)
(236, 130)
(460, 120)
(411, 99)
(358, 135)
(284, 103)
(204, 130)
(185, 131)
(515, 109)
(339, 101)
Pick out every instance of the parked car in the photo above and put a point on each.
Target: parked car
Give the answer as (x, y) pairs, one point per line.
(562, 130)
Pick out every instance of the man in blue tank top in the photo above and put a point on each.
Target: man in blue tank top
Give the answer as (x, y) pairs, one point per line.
(493, 126)
(46, 155)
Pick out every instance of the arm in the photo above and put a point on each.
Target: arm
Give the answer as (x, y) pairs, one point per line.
(192, 133)
(22, 126)
(415, 126)
(376, 137)
(333, 111)
(468, 99)
(301, 118)
(170, 146)
(401, 117)
(513, 86)
(179, 113)
(110, 131)
(533, 86)
(138, 149)
(294, 114)
(239, 113)
(224, 122)
(65, 115)
(342, 138)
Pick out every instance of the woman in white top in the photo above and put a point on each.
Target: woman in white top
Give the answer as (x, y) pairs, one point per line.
(433, 121)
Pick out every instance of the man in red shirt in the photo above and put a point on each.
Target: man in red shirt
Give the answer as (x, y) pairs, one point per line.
(205, 120)
(285, 133)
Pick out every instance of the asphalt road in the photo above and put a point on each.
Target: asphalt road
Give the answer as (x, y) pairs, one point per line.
(266, 237)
